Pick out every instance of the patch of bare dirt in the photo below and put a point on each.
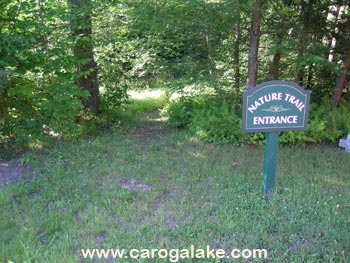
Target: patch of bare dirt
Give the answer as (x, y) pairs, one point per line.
(11, 171)
(152, 127)
(132, 185)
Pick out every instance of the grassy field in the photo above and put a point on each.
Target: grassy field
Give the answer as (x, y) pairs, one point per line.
(160, 188)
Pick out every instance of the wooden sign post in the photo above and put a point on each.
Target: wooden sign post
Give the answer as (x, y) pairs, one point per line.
(272, 107)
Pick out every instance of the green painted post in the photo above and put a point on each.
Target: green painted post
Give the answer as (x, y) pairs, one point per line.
(270, 160)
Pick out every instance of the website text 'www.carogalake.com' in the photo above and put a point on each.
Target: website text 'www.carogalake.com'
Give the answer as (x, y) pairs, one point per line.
(173, 255)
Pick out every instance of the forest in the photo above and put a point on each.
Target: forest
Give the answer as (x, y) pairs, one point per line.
(66, 67)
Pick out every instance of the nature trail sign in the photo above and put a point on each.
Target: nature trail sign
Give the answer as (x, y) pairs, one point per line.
(272, 107)
(275, 106)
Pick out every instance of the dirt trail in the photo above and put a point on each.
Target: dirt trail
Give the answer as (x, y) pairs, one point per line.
(152, 126)
(11, 171)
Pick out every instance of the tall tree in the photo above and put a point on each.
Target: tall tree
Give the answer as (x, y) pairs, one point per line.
(305, 13)
(254, 43)
(341, 81)
(86, 68)
(277, 23)
(237, 43)
(334, 15)
(342, 48)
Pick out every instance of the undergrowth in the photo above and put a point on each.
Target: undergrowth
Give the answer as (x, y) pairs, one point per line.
(218, 119)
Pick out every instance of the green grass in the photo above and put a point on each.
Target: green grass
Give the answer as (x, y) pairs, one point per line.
(199, 194)
(146, 100)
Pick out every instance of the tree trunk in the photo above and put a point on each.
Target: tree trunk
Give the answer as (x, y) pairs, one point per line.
(341, 82)
(299, 77)
(236, 48)
(335, 13)
(309, 77)
(275, 71)
(305, 12)
(86, 67)
(254, 44)
(275, 67)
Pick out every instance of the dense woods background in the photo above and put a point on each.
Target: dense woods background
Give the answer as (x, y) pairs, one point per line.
(68, 64)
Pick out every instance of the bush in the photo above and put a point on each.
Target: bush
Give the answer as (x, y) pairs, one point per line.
(216, 123)
(211, 117)
(219, 120)
(179, 112)
(35, 113)
(326, 124)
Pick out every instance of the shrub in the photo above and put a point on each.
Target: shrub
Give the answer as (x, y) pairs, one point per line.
(326, 124)
(219, 120)
(35, 113)
(179, 112)
(216, 123)
(211, 117)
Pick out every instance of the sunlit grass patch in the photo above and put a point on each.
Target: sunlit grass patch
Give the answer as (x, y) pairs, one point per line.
(146, 100)
(146, 94)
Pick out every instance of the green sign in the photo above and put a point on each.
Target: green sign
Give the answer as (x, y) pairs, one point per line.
(272, 107)
(275, 106)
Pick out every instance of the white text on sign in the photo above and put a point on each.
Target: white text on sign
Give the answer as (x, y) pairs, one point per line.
(277, 97)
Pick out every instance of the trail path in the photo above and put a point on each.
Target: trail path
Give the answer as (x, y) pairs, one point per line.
(151, 127)
(11, 170)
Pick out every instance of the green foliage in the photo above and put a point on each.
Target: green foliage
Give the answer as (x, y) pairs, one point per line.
(216, 123)
(212, 118)
(326, 124)
(139, 44)
(39, 98)
(216, 119)
(42, 113)
(112, 74)
(179, 112)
